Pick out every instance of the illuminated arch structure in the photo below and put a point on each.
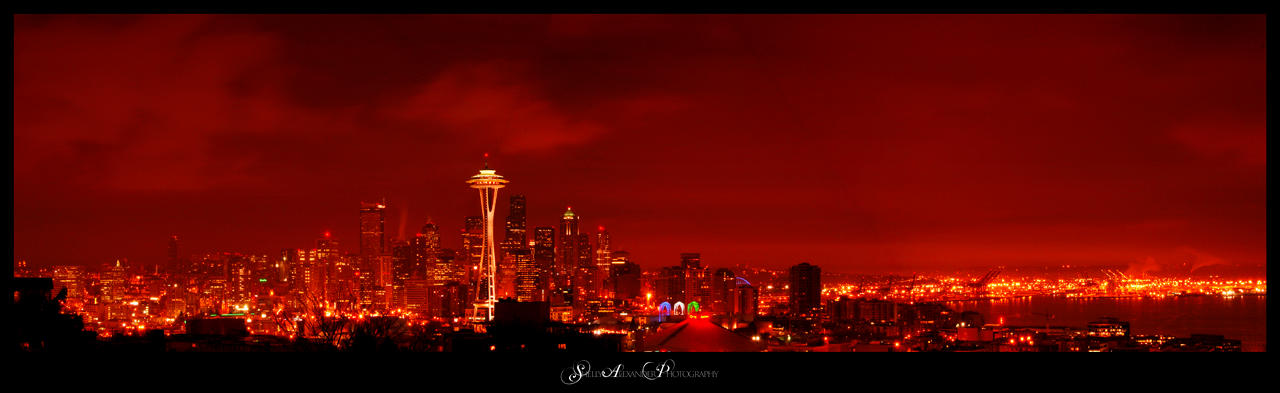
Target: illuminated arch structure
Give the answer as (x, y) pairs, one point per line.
(678, 309)
(694, 308)
(664, 311)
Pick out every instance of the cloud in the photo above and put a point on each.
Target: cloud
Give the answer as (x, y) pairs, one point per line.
(489, 102)
(1242, 143)
(135, 102)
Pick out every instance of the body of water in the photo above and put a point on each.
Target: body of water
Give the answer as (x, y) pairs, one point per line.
(1242, 318)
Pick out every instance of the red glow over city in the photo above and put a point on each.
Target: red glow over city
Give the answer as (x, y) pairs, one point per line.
(772, 183)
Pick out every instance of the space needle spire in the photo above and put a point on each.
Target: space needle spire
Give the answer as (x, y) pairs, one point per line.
(488, 182)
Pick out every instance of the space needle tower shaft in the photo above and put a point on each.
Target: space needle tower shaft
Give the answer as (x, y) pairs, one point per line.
(488, 182)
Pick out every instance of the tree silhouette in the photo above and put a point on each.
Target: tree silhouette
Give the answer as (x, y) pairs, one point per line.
(313, 316)
(380, 334)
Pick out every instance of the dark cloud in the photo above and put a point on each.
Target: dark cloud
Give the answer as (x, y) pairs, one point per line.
(854, 141)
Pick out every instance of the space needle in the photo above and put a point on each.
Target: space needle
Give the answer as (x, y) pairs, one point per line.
(488, 182)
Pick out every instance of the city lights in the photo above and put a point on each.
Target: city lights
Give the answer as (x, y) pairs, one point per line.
(742, 183)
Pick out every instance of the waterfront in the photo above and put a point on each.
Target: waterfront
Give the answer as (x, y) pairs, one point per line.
(1238, 317)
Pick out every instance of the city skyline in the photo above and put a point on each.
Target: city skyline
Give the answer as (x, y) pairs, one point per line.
(855, 142)
(647, 184)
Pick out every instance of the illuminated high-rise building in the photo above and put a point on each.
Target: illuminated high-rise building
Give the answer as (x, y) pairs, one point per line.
(690, 260)
(455, 269)
(544, 256)
(488, 182)
(583, 280)
(113, 281)
(516, 236)
(507, 271)
(238, 276)
(372, 248)
(472, 239)
(515, 239)
(669, 285)
(431, 236)
(383, 292)
(528, 281)
(68, 277)
(448, 301)
(806, 289)
(439, 271)
(723, 291)
(334, 271)
(566, 264)
(417, 292)
(307, 273)
(624, 277)
(748, 301)
(566, 250)
(404, 266)
(603, 259)
(472, 251)
(424, 250)
(372, 225)
(343, 286)
(696, 278)
(696, 284)
(327, 248)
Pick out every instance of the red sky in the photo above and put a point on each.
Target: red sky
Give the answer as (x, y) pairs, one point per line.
(856, 142)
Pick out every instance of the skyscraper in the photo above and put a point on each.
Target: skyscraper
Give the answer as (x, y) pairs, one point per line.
(515, 239)
(583, 286)
(806, 289)
(507, 270)
(690, 260)
(423, 255)
(439, 271)
(566, 253)
(544, 256)
(603, 259)
(515, 236)
(372, 247)
(404, 265)
(333, 270)
(68, 277)
(487, 182)
(455, 269)
(372, 225)
(624, 277)
(723, 291)
(417, 292)
(472, 252)
(696, 287)
(447, 275)
(748, 302)
(669, 285)
(528, 282)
